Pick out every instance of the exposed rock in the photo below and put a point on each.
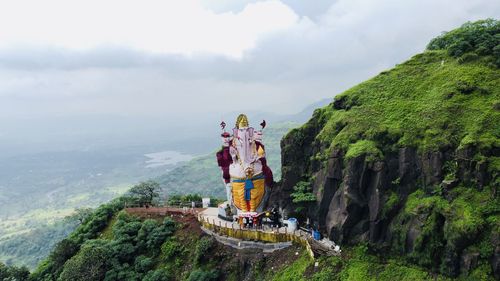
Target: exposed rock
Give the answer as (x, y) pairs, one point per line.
(449, 184)
(414, 231)
(451, 262)
(326, 184)
(351, 197)
(482, 175)
(354, 211)
(495, 263)
(343, 102)
(468, 262)
(470, 170)
(339, 103)
(348, 205)
(409, 169)
(432, 164)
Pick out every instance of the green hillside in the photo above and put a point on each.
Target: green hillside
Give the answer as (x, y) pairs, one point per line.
(408, 161)
(431, 101)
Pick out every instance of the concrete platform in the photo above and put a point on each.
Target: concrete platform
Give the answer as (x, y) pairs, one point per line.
(211, 215)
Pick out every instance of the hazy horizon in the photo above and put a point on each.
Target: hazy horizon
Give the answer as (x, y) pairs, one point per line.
(90, 68)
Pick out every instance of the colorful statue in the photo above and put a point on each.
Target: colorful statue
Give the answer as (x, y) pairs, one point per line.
(244, 167)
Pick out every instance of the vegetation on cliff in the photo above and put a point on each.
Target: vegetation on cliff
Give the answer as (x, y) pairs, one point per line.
(471, 41)
(431, 102)
(408, 160)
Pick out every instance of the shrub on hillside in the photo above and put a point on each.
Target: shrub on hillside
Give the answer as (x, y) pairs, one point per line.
(158, 275)
(89, 264)
(470, 40)
(202, 248)
(13, 273)
(201, 275)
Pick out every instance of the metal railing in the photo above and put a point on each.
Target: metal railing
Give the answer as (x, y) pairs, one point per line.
(162, 211)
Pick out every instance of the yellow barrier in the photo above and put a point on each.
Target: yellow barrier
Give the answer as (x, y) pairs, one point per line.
(258, 235)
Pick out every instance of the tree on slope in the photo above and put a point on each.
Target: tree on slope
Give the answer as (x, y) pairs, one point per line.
(145, 192)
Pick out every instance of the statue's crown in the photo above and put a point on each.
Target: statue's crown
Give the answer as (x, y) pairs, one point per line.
(241, 121)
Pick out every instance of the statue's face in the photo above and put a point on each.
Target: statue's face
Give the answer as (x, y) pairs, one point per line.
(243, 124)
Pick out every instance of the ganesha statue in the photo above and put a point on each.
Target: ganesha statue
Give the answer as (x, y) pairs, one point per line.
(242, 160)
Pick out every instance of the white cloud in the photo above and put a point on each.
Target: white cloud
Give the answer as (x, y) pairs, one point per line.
(286, 60)
(182, 26)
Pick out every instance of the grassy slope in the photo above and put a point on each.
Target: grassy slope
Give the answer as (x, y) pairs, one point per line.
(447, 96)
(423, 103)
(356, 264)
(203, 176)
(435, 101)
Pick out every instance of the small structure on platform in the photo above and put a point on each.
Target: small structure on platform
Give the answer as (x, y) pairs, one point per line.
(291, 224)
(205, 202)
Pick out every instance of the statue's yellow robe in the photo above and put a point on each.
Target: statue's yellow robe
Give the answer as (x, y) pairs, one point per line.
(256, 195)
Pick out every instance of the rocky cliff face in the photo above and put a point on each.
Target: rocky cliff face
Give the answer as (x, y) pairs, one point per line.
(367, 201)
(407, 162)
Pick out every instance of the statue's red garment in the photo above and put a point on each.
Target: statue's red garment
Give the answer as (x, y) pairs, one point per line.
(224, 160)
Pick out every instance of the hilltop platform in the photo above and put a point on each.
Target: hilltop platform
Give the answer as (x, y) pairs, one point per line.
(232, 234)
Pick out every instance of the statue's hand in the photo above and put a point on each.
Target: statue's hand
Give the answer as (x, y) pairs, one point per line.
(249, 172)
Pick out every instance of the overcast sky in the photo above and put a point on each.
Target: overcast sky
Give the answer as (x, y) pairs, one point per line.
(172, 58)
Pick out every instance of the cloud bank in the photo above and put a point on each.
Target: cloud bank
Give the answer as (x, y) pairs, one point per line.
(176, 58)
(179, 27)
